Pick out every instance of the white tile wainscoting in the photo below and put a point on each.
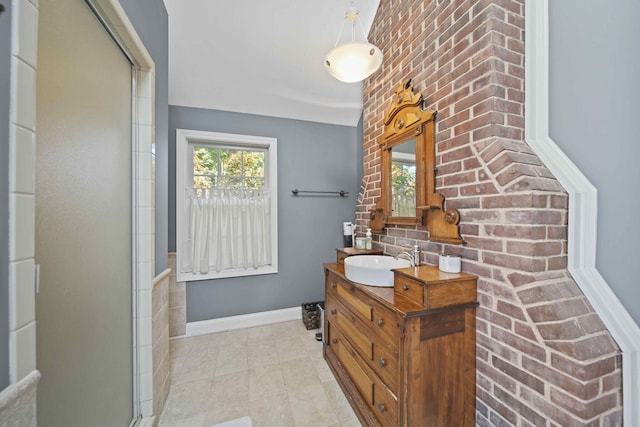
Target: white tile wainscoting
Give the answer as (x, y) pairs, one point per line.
(177, 302)
(160, 341)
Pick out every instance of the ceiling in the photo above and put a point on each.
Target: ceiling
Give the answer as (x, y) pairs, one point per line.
(262, 57)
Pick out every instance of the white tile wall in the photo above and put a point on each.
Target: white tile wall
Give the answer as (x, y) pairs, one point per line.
(145, 303)
(22, 234)
(22, 146)
(145, 230)
(145, 269)
(22, 334)
(26, 27)
(22, 308)
(23, 93)
(22, 344)
(145, 132)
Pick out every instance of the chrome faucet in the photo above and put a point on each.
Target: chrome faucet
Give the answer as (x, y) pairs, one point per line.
(412, 256)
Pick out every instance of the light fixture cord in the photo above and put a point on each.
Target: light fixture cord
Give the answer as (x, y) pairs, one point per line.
(362, 28)
(353, 29)
(350, 17)
(339, 34)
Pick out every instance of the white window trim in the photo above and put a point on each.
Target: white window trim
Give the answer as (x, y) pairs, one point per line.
(186, 136)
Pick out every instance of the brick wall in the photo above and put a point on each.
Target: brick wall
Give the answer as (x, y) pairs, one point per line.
(544, 358)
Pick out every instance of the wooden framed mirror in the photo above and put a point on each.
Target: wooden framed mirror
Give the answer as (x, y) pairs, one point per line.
(409, 194)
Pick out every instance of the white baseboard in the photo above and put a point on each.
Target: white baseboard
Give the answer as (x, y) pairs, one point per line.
(243, 321)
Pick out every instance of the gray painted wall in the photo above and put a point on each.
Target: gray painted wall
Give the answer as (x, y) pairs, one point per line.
(594, 93)
(311, 156)
(5, 81)
(149, 17)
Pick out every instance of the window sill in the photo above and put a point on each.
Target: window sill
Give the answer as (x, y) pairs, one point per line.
(239, 272)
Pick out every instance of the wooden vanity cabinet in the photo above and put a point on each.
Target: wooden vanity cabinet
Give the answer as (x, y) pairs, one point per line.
(404, 356)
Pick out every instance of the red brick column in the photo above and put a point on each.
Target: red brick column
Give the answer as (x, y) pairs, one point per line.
(544, 358)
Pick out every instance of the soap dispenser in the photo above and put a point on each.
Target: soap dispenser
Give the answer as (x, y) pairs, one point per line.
(367, 240)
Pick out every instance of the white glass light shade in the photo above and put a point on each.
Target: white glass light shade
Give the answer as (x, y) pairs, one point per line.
(353, 62)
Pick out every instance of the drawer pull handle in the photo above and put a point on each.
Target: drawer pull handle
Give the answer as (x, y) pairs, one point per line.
(382, 362)
(381, 407)
(333, 285)
(405, 287)
(334, 311)
(334, 341)
(379, 322)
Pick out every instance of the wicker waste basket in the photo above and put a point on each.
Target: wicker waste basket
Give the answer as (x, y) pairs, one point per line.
(311, 314)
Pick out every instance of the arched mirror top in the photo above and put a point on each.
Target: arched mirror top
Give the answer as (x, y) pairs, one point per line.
(409, 195)
(406, 112)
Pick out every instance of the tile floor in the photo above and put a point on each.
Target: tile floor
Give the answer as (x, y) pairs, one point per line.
(274, 373)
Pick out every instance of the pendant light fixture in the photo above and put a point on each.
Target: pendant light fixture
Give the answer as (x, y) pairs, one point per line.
(353, 61)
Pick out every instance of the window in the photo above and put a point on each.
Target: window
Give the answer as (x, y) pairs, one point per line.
(227, 167)
(226, 205)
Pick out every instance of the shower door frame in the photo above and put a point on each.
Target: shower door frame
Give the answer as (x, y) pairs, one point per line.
(23, 352)
(116, 22)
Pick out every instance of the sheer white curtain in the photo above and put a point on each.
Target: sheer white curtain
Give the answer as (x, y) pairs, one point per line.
(226, 229)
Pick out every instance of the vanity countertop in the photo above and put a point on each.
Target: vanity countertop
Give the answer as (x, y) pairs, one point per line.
(440, 289)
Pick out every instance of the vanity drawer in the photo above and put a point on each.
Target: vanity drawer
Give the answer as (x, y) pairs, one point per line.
(330, 308)
(381, 320)
(378, 397)
(385, 364)
(359, 304)
(381, 360)
(331, 287)
(384, 324)
(408, 288)
(358, 340)
(384, 404)
(359, 377)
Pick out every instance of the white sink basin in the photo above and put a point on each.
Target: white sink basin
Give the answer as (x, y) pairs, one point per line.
(373, 270)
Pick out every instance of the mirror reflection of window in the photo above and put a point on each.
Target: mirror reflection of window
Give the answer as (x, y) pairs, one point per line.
(403, 179)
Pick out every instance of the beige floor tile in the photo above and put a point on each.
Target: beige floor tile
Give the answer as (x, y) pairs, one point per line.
(203, 344)
(233, 388)
(259, 334)
(195, 367)
(271, 411)
(262, 353)
(186, 401)
(219, 412)
(291, 348)
(311, 407)
(353, 422)
(323, 370)
(196, 421)
(298, 373)
(265, 381)
(231, 340)
(338, 401)
(281, 382)
(314, 348)
(231, 360)
(176, 367)
(288, 329)
(179, 348)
